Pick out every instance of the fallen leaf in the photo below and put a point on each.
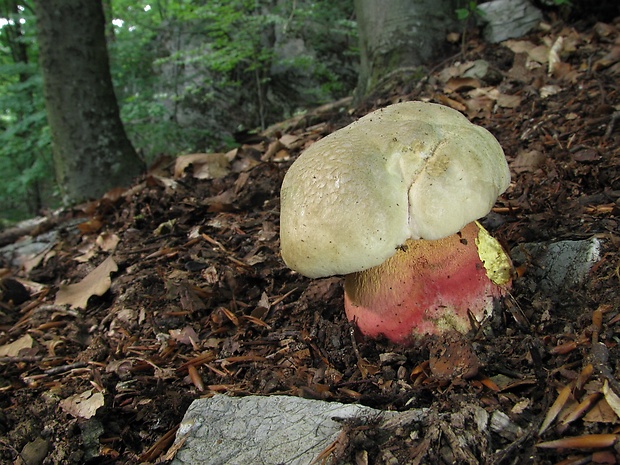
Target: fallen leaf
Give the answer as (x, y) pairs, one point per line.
(554, 56)
(612, 398)
(84, 405)
(548, 91)
(13, 349)
(587, 155)
(453, 358)
(519, 46)
(539, 54)
(528, 161)
(508, 101)
(97, 282)
(107, 242)
(603, 29)
(204, 165)
(608, 60)
(451, 102)
(291, 141)
(601, 413)
(457, 84)
(185, 336)
(90, 226)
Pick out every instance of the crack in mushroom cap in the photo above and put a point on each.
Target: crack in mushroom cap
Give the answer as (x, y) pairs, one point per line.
(411, 170)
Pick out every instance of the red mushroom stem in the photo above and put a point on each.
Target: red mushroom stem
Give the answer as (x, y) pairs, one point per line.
(430, 287)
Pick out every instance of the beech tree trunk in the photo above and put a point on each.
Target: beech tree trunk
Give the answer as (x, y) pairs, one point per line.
(399, 34)
(91, 150)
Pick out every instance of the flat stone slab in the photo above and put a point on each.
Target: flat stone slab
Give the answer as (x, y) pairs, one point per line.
(558, 265)
(269, 430)
(508, 19)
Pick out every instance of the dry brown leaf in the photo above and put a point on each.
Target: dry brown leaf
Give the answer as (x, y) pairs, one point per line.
(282, 155)
(539, 54)
(107, 242)
(291, 141)
(13, 349)
(451, 102)
(601, 413)
(604, 29)
(457, 84)
(153, 180)
(185, 336)
(612, 398)
(453, 358)
(90, 226)
(480, 106)
(97, 282)
(84, 405)
(204, 165)
(548, 91)
(554, 56)
(114, 194)
(608, 60)
(508, 101)
(519, 46)
(273, 148)
(528, 161)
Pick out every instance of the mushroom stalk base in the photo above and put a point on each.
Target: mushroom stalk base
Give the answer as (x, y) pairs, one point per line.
(430, 287)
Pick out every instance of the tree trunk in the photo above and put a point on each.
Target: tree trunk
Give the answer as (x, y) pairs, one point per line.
(91, 150)
(398, 34)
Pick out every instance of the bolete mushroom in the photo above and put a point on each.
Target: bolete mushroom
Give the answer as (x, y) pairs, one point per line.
(391, 201)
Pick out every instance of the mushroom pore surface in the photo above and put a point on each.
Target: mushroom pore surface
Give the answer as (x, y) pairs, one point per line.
(410, 170)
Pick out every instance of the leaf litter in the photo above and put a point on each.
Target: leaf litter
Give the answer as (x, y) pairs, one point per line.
(173, 289)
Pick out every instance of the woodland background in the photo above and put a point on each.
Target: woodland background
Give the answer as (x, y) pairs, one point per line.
(188, 76)
(179, 288)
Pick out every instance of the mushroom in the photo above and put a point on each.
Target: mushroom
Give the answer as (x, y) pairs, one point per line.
(391, 201)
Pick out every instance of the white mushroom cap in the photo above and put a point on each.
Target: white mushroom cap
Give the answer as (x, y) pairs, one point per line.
(411, 170)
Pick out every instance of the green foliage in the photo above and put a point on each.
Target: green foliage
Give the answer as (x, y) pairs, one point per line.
(467, 15)
(470, 10)
(220, 59)
(187, 74)
(25, 146)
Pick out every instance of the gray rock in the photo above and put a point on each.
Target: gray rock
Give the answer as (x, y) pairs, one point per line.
(33, 453)
(507, 19)
(263, 430)
(558, 265)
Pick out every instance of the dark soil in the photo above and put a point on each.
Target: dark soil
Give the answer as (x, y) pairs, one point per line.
(202, 303)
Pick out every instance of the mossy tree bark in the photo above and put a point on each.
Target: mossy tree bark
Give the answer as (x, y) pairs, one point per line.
(91, 150)
(400, 34)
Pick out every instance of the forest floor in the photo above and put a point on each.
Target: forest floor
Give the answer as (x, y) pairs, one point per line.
(187, 295)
